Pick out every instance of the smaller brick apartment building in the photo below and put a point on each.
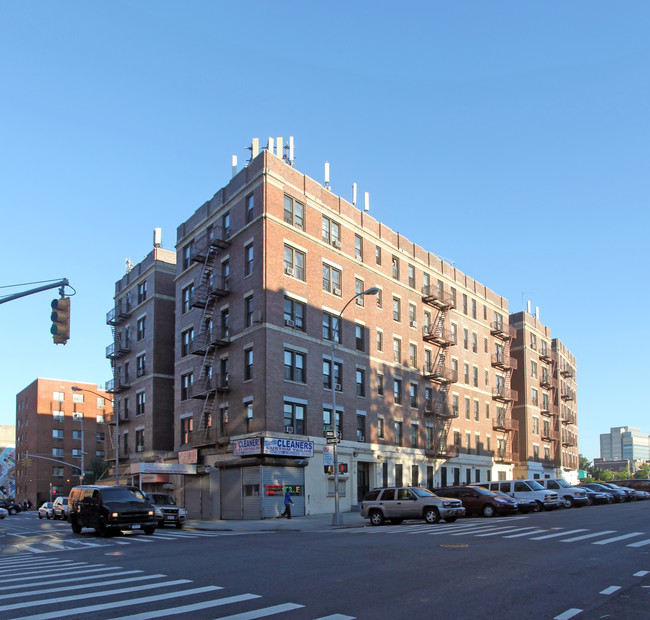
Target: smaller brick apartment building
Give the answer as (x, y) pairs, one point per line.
(54, 424)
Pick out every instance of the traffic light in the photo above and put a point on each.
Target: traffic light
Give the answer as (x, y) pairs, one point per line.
(60, 329)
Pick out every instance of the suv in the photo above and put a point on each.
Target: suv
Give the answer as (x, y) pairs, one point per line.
(394, 504)
(525, 489)
(167, 511)
(568, 495)
(109, 509)
(480, 501)
(60, 508)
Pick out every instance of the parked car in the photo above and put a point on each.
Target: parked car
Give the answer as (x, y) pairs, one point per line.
(628, 494)
(394, 504)
(597, 497)
(46, 510)
(60, 508)
(642, 494)
(568, 495)
(525, 489)
(480, 501)
(109, 510)
(617, 494)
(10, 506)
(638, 484)
(524, 505)
(167, 511)
(3, 513)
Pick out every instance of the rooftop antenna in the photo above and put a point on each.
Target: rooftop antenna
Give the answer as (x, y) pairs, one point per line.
(271, 145)
(234, 165)
(289, 148)
(129, 265)
(354, 194)
(157, 237)
(278, 146)
(327, 176)
(366, 201)
(254, 148)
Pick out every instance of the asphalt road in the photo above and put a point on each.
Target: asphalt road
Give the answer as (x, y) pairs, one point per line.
(585, 563)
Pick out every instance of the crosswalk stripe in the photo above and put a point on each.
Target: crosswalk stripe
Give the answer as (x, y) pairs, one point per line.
(558, 534)
(641, 543)
(261, 613)
(586, 536)
(62, 574)
(535, 531)
(617, 538)
(499, 532)
(74, 579)
(186, 609)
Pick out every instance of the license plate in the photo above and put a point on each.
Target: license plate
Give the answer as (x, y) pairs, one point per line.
(135, 527)
(170, 518)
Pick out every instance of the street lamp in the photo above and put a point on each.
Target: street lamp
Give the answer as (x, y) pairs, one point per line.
(117, 434)
(337, 518)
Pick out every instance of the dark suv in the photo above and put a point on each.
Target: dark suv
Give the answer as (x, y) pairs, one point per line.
(108, 510)
(167, 511)
(479, 501)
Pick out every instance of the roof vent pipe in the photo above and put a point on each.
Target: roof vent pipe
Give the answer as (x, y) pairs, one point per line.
(234, 165)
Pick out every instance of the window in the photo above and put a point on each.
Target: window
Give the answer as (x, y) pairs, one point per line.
(414, 436)
(57, 434)
(358, 289)
(327, 419)
(187, 338)
(397, 310)
(331, 280)
(397, 391)
(454, 333)
(380, 428)
(380, 384)
(139, 403)
(358, 247)
(58, 416)
(224, 372)
(380, 298)
(186, 385)
(100, 437)
(464, 303)
(142, 291)
(248, 413)
(141, 365)
(187, 255)
(466, 373)
(534, 397)
(487, 411)
(294, 418)
(474, 342)
(187, 426)
(397, 350)
(225, 223)
(378, 255)
(248, 311)
(186, 298)
(361, 427)
(411, 275)
(414, 394)
(294, 263)
(453, 297)
(485, 344)
(454, 405)
(487, 378)
(57, 452)
(380, 340)
(294, 212)
(413, 355)
(533, 369)
(330, 328)
(58, 397)
(395, 267)
(475, 376)
(331, 232)
(535, 426)
(477, 415)
(77, 398)
(249, 256)
(465, 339)
(250, 207)
(398, 435)
(359, 336)
(294, 366)
(223, 420)
(294, 314)
(473, 308)
(57, 472)
(140, 328)
(327, 375)
(428, 399)
(533, 342)
(361, 382)
(466, 408)
(248, 364)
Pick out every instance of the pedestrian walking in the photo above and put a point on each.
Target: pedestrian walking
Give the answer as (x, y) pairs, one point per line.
(288, 502)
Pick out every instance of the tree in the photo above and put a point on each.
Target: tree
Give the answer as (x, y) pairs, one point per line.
(99, 467)
(643, 471)
(584, 462)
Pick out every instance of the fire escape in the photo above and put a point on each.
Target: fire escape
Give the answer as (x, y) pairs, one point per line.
(502, 393)
(214, 330)
(439, 372)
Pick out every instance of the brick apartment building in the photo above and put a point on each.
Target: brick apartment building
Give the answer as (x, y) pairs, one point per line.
(54, 425)
(418, 377)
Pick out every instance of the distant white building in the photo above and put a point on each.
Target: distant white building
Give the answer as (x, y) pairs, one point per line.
(625, 443)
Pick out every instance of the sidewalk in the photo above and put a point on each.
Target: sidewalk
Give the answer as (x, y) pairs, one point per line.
(309, 523)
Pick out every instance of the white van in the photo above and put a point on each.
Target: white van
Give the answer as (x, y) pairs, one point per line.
(569, 496)
(525, 489)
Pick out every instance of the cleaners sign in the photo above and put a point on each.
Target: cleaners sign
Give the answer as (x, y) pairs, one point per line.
(288, 447)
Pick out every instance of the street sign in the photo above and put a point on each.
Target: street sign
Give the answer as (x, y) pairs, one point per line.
(333, 440)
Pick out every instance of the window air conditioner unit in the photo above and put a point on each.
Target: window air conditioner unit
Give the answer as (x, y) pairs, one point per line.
(338, 387)
(139, 449)
(360, 436)
(336, 243)
(288, 271)
(336, 291)
(414, 323)
(288, 429)
(289, 323)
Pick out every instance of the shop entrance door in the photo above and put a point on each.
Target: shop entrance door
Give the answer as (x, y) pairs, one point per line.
(363, 480)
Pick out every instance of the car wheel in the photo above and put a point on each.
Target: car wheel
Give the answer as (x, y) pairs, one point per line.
(590, 501)
(488, 510)
(567, 502)
(376, 517)
(101, 529)
(40, 516)
(76, 528)
(451, 519)
(149, 530)
(12, 511)
(431, 515)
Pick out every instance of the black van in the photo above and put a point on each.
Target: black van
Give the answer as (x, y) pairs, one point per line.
(108, 510)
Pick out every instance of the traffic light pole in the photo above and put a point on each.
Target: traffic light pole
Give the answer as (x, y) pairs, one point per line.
(46, 287)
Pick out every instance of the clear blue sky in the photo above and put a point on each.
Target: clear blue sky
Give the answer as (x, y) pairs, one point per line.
(509, 137)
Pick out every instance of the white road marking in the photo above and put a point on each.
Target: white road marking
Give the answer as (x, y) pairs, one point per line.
(610, 590)
(617, 538)
(569, 613)
(594, 535)
(260, 613)
(558, 534)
